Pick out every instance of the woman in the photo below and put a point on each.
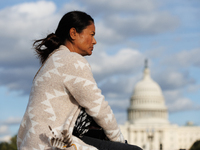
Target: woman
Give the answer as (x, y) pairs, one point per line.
(62, 87)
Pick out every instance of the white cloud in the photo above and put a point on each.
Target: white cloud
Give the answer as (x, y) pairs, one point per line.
(119, 104)
(181, 105)
(156, 52)
(175, 101)
(173, 79)
(121, 117)
(142, 24)
(125, 5)
(106, 34)
(20, 25)
(18, 79)
(121, 86)
(132, 5)
(119, 107)
(28, 9)
(71, 6)
(123, 62)
(3, 129)
(27, 19)
(172, 95)
(12, 121)
(193, 88)
(5, 138)
(185, 58)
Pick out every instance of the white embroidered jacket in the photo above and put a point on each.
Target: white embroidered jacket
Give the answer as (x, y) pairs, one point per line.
(62, 86)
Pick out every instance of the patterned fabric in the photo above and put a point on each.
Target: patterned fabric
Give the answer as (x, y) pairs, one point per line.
(62, 86)
(86, 126)
(82, 124)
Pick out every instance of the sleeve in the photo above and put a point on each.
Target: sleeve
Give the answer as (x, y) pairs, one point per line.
(79, 80)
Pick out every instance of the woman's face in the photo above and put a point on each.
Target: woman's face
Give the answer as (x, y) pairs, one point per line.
(85, 41)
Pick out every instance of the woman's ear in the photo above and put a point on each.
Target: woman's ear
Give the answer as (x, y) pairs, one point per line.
(73, 33)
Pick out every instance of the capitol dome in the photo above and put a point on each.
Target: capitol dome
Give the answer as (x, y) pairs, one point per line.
(147, 104)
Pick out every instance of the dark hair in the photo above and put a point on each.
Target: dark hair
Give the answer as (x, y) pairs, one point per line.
(74, 19)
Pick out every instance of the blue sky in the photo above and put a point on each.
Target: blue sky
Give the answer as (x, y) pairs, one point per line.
(166, 32)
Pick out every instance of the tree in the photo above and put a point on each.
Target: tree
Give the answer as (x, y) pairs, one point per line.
(12, 145)
(196, 145)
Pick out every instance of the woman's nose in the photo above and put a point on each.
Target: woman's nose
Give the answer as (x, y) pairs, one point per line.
(94, 41)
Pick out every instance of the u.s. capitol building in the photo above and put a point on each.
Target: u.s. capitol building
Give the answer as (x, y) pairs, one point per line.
(148, 125)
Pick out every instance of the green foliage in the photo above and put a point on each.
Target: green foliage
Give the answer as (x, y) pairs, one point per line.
(12, 145)
(196, 145)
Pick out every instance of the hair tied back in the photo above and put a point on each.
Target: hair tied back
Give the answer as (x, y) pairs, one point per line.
(51, 42)
(44, 47)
